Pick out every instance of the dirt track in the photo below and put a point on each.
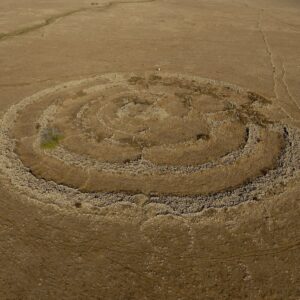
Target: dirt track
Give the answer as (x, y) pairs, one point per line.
(164, 185)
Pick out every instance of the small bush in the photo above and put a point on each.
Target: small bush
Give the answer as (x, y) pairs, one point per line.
(50, 138)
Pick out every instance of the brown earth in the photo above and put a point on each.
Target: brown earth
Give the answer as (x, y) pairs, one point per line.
(153, 182)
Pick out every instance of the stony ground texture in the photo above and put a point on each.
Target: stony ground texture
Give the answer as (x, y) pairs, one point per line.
(124, 174)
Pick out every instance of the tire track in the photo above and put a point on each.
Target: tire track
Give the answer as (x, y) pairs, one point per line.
(275, 70)
(50, 20)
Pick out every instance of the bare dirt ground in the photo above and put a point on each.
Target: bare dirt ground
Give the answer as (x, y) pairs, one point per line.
(149, 149)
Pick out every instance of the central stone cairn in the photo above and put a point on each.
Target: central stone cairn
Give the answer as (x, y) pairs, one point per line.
(183, 141)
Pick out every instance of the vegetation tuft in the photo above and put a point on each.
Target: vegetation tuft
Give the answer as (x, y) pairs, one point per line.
(50, 138)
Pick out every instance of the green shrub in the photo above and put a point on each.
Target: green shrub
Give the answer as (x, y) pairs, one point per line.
(50, 138)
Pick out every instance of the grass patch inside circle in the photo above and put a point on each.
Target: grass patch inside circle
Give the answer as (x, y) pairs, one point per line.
(50, 138)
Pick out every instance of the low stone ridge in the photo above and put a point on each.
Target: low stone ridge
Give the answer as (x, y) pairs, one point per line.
(186, 142)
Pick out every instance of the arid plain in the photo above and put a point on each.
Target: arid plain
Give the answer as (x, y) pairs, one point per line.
(150, 149)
